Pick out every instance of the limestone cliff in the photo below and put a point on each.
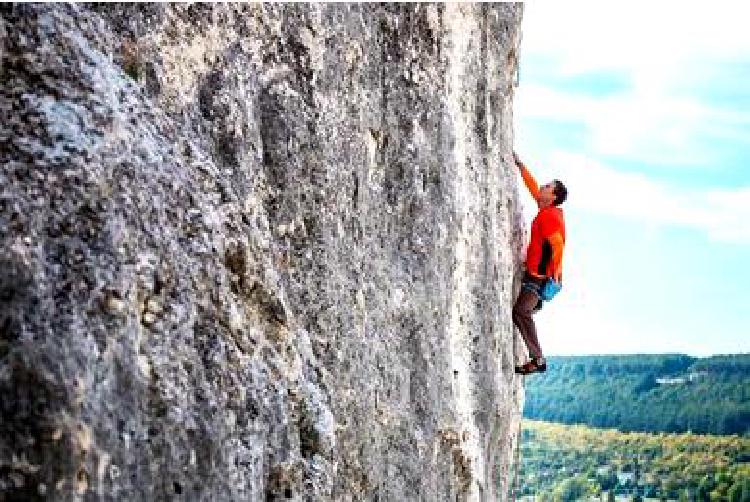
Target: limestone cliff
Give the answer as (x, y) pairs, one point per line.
(257, 252)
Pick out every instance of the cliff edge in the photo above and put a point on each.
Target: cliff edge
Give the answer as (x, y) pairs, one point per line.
(257, 252)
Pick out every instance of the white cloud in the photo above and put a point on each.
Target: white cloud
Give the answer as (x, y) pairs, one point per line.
(643, 37)
(576, 331)
(722, 214)
(660, 129)
(666, 53)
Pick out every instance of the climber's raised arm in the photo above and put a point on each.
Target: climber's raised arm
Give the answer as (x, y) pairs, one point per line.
(528, 179)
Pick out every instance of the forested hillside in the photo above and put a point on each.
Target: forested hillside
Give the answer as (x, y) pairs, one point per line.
(653, 393)
(566, 463)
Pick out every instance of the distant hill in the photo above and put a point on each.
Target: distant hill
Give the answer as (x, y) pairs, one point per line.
(649, 393)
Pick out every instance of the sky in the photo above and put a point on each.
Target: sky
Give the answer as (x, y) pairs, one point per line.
(643, 111)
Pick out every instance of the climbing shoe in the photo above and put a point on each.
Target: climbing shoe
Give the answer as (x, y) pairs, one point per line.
(533, 366)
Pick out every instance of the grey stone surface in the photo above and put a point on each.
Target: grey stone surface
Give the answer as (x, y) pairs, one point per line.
(257, 252)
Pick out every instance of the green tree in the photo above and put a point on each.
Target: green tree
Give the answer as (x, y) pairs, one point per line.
(573, 489)
(735, 492)
(607, 481)
(703, 494)
(745, 497)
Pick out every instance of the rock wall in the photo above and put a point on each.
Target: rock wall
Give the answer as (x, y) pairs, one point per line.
(257, 252)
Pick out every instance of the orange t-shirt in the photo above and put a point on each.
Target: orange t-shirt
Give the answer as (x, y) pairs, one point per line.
(544, 255)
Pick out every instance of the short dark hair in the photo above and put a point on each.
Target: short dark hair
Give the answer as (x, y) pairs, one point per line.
(561, 193)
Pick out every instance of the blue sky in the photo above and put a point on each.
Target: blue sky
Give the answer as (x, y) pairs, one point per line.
(643, 110)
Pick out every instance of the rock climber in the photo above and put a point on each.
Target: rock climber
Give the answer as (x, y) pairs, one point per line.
(543, 263)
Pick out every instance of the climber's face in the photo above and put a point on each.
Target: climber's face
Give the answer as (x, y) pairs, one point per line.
(547, 194)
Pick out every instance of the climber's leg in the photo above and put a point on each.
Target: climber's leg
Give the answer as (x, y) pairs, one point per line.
(523, 311)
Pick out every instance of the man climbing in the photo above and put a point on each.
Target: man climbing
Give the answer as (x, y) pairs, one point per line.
(543, 262)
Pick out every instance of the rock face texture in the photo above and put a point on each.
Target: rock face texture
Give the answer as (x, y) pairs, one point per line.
(257, 252)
